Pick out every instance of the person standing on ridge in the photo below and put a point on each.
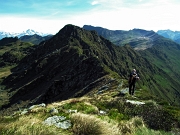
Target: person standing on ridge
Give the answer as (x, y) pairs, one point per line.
(132, 81)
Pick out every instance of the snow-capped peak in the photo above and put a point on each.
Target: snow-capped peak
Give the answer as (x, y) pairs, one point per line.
(27, 32)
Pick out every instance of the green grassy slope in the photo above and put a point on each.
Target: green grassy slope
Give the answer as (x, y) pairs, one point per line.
(162, 53)
(165, 55)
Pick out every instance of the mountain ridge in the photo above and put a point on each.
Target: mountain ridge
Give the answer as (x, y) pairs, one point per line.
(71, 64)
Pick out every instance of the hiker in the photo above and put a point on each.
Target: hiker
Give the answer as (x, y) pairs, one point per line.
(132, 80)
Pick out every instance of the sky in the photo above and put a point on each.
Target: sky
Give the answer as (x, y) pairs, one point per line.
(49, 16)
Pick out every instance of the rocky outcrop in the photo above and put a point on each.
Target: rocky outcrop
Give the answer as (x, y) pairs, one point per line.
(58, 121)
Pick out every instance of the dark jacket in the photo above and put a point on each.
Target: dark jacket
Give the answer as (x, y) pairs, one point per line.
(133, 77)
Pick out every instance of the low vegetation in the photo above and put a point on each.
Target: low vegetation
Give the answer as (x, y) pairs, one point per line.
(105, 113)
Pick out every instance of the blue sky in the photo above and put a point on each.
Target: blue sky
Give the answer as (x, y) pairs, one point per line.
(49, 16)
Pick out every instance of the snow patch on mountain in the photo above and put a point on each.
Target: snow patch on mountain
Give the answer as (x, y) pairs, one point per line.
(27, 32)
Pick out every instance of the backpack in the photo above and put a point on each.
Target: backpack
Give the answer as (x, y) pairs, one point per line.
(132, 77)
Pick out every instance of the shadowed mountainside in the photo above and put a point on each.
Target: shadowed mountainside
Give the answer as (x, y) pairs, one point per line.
(75, 62)
(13, 50)
(7, 40)
(35, 39)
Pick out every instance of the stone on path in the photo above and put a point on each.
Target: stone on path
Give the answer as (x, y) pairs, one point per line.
(135, 102)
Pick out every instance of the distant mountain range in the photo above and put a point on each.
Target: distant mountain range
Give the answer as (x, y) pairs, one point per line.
(174, 35)
(137, 35)
(27, 32)
(139, 39)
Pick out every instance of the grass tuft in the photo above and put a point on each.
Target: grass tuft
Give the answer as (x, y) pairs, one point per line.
(84, 124)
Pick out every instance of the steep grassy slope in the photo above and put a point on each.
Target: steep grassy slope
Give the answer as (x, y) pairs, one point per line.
(165, 54)
(162, 52)
(73, 63)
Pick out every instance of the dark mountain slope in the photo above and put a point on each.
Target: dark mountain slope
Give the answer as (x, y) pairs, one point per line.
(35, 39)
(139, 39)
(7, 40)
(73, 63)
(13, 50)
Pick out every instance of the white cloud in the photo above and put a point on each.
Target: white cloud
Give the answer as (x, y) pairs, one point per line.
(94, 3)
(152, 15)
(19, 24)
